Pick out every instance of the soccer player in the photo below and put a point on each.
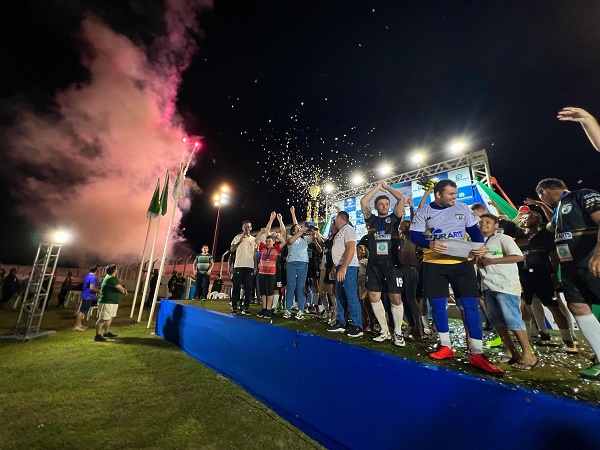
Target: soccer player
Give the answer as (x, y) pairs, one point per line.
(446, 219)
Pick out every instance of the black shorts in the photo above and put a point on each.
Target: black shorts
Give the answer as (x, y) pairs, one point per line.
(580, 286)
(266, 284)
(461, 276)
(540, 284)
(86, 305)
(313, 272)
(380, 273)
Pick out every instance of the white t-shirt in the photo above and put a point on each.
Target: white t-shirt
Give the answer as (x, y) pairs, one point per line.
(346, 234)
(436, 222)
(244, 255)
(501, 277)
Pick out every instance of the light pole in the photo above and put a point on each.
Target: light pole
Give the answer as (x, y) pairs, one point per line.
(220, 198)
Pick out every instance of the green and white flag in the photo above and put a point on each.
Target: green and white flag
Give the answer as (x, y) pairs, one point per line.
(154, 207)
(164, 196)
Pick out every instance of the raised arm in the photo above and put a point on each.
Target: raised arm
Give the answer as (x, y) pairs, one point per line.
(587, 121)
(547, 210)
(293, 211)
(400, 200)
(364, 202)
(411, 207)
(299, 233)
(269, 223)
(281, 230)
(426, 194)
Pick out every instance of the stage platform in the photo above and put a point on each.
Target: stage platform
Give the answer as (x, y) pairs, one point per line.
(347, 396)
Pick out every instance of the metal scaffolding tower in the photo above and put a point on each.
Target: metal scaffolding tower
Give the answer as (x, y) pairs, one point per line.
(36, 295)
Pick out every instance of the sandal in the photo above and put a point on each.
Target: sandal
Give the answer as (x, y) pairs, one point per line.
(508, 360)
(525, 366)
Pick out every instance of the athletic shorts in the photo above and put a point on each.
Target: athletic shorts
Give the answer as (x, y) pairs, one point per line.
(461, 276)
(107, 311)
(267, 284)
(380, 274)
(86, 305)
(313, 272)
(540, 284)
(503, 310)
(580, 286)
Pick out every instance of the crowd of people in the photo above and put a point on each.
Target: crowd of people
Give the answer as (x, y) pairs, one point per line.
(403, 270)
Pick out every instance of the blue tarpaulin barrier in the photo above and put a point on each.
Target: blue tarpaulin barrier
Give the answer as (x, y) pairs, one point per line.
(347, 396)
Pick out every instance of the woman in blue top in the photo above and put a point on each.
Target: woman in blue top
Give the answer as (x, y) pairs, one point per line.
(296, 268)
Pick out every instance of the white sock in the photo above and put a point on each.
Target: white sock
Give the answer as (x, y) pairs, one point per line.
(590, 327)
(397, 314)
(275, 300)
(379, 312)
(445, 339)
(425, 322)
(475, 346)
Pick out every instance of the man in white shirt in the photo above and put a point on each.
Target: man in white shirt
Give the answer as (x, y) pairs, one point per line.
(244, 246)
(346, 287)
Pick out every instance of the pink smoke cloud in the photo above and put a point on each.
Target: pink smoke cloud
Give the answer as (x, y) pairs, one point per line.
(97, 157)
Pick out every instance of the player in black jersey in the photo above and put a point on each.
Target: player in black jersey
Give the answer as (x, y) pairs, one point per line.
(384, 264)
(576, 225)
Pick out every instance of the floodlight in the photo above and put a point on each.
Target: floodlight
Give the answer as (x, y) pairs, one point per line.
(60, 237)
(457, 146)
(418, 157)
(329, 188)
(357, 179)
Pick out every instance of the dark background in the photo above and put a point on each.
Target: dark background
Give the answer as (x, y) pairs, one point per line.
(277, 81)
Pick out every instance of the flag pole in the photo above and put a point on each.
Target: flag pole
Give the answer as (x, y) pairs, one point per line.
(176, 194)
(139, 319)
(139, 277)
(153, 211)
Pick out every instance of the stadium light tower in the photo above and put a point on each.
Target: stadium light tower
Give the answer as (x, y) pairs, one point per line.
(357, 179)
(220, 198)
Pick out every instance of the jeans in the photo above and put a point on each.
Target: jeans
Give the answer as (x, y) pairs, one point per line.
(296, 279)
(410, 280)
(242, 276)
(346, 293)
(202, 282)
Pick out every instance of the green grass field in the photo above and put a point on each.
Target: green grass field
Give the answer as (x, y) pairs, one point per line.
(138, 391)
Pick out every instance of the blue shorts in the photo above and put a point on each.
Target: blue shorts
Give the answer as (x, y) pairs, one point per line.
(504, 310)
(86, 305)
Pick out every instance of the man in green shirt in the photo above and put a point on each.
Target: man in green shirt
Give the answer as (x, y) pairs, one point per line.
(108, 303)
(203, 265)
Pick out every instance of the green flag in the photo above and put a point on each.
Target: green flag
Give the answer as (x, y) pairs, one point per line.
(154, 207)
(164, 196)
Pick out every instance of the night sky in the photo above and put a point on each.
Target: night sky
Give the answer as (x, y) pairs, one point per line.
(277, 87)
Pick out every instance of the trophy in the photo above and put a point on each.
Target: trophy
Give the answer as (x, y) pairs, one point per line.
(312, 209)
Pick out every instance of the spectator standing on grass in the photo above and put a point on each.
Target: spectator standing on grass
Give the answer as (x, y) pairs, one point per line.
(88, 295)
(244, 246)
(108, 303)
(153, 283)
(65, 287)
(10, 286)
(203, 265)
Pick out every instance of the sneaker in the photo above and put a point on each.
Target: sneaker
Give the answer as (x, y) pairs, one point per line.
(261, 313)
(443, 352)
(481, 361)
(336, 328)
(234, 312)
(99, 338)
(267, 315)
(592, 372)
(571, 347)
(109, 335)
(381, 337)
(354, 331)
(287, 314)
(497, 342)
(299, 315)
(245, 312)
(399, 340)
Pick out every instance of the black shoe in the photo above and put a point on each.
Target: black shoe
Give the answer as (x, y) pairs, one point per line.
(99, 338)
(234, 312)
(245, 312)
(354, 331)
(336, 328)
(545, 336)
(109, 335)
